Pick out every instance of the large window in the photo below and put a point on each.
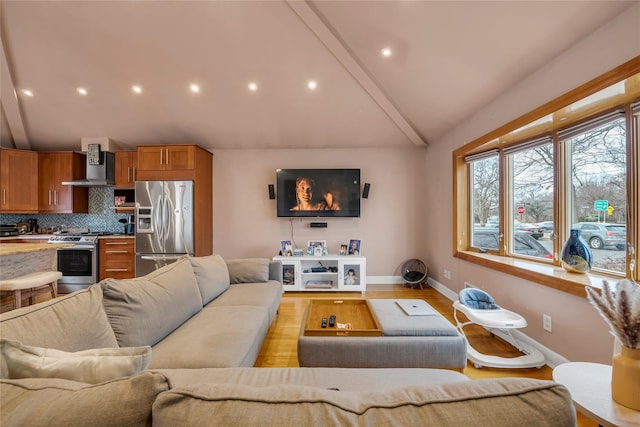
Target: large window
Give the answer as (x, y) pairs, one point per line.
(485, 178)
(531, 196)
(597, 196)
(575, 165)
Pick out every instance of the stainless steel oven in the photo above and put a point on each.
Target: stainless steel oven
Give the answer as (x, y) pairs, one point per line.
(78, 263)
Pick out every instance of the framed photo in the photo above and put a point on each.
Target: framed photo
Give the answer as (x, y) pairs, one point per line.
(286, 247)
(354, 247)
(351, 274)
(288, 275)
(343, 249)
(316, 247)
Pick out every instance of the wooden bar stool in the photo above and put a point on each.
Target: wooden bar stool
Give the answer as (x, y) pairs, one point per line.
(30, 284)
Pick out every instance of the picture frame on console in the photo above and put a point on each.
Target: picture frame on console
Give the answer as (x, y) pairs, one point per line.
(343, 249)
(354, 247)
(316, 247)
(286, 248)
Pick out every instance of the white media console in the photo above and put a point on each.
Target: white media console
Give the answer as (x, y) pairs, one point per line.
(330, 273)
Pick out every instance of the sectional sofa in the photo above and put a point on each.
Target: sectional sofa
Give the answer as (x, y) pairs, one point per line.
(176, 347)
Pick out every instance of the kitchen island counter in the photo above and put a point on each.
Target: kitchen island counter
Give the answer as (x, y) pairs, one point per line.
(18, 259)
(19, 248)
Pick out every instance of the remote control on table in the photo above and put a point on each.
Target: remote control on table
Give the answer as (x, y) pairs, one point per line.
(332, 320)
(324, 322)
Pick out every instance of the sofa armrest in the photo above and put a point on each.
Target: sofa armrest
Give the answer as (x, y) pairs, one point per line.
(275, 271)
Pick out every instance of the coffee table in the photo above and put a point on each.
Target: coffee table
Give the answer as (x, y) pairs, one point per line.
(402, 341)
(590, 388)
(354, 318)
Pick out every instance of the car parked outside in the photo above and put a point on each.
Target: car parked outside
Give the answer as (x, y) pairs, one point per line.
(530, 229)
(545, 226)
(524, 244)
(599, 235)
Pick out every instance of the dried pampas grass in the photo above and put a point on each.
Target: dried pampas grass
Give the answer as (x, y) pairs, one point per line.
(619, 305)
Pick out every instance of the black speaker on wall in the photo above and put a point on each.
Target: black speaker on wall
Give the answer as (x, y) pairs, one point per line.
(365, 192)
(272, 192)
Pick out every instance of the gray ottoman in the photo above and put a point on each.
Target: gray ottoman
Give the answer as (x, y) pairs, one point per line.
(406, 342)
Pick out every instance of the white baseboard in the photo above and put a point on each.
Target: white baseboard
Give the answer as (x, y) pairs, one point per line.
(553, 359)
(384, 280)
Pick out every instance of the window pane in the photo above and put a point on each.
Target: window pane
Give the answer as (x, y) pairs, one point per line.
(597, 196)
(485, 180)
(532, 201)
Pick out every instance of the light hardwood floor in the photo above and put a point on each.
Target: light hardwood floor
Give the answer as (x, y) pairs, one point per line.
(280, 346)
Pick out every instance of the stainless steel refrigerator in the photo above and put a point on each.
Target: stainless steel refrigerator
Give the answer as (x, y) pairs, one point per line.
(164, 223)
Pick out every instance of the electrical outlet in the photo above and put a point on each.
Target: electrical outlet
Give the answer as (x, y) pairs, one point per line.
(546, 322)
(447, 274)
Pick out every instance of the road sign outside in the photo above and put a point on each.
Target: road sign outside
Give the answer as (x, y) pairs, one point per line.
(610, 210)
(521, 210)
(601, 205)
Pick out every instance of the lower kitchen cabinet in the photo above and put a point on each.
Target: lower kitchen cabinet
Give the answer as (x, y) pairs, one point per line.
(117, 257)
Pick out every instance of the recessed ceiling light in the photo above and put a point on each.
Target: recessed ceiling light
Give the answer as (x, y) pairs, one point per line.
(81, 90)
(136, 89)
(195, 88)
(253, 86)
(312, 84)
(386, 52)
(27, 92)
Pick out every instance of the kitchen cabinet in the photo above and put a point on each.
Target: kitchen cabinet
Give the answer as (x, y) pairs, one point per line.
(18, 181)
(184, 163)
(53, 168)
(166, 158)
(117, 257)
(126, 169)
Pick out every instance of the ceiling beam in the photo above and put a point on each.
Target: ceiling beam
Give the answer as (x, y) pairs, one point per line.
(11, 104)
(328, 36)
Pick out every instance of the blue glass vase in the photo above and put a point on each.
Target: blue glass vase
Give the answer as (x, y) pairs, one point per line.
(576, 256)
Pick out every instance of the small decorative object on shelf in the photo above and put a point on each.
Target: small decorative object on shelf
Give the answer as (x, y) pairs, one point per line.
(576, 256)
(354, 247)
(286, 248)
(619, 305)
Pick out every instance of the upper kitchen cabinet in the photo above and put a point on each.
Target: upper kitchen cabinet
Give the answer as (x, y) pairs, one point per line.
(126, 169)
(53, 197)
(169, 162)
(18, 181)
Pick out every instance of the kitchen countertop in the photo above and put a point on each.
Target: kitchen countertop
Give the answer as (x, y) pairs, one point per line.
(47, 236)
(18, 248)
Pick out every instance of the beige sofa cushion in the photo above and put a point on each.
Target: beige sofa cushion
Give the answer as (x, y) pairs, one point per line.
(144, 310)
(503, 402)
(71, 323)
(212, 276)
(248, 270)
(55, 402)
(88, 366)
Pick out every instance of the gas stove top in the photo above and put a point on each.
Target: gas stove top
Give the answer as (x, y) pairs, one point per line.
(83, 238)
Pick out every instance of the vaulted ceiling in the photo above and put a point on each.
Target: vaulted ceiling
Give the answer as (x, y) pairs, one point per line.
(448, 59)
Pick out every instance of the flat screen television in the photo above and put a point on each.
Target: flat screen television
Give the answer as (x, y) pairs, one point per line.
(318, 193)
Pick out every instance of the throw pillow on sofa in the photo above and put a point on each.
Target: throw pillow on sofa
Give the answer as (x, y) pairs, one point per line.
(248, 270)
(54, 402)
(144, 310)
(212, 276)
(88, 366)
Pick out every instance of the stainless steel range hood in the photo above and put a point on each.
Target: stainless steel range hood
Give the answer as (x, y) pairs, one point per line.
(98, 175)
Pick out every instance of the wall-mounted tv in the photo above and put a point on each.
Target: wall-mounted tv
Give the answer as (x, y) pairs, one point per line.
(318, 192)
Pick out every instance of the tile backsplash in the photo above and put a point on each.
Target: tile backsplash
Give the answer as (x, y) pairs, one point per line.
(101, 216)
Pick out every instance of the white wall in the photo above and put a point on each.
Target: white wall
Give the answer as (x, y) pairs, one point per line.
(392, 218)
(579, 333)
